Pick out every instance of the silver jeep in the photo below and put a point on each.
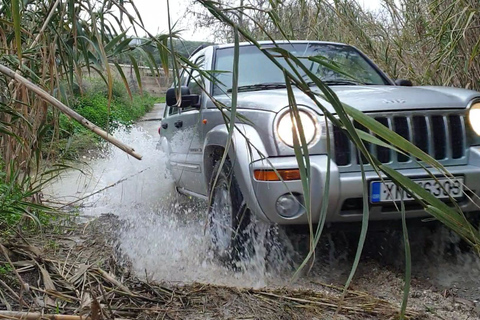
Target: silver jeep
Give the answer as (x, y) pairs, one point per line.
(442, 121)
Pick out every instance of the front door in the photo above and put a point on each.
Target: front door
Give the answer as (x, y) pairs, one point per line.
(185, 138)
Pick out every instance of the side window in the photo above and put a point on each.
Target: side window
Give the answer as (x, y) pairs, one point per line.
(183, 77)
(195, 81)
(172, 111)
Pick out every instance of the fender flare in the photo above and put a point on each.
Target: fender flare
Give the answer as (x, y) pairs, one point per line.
(246, 146)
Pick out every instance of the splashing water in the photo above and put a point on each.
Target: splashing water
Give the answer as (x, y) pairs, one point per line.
(163, 234)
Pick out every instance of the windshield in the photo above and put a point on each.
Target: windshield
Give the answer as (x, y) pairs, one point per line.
(256, 69)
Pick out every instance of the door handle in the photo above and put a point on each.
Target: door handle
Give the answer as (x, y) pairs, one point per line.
(178, 124)
(164, 125)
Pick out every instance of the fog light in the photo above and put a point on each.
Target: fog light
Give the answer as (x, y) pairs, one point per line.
(289, 205)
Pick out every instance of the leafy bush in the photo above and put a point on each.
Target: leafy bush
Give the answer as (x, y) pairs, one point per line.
(94, 105)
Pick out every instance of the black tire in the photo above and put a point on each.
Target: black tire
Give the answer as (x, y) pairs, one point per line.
(228, 217)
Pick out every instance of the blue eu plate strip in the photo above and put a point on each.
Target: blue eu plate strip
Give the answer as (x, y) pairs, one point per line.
(375, 192)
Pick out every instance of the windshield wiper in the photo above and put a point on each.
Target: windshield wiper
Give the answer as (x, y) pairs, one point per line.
(261, 86)
(339, 83)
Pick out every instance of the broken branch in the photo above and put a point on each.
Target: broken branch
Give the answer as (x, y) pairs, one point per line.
(71, 113)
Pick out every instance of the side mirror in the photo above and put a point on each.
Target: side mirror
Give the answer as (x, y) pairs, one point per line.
(404, 83)
(188, 100)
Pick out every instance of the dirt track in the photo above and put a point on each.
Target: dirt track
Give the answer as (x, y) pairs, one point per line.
(77, 270)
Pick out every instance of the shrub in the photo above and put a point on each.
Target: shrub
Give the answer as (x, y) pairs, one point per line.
(16, 201)
(92, 103)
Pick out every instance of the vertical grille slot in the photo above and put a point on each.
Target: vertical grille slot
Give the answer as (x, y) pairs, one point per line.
(401, 127)
(367, 145)
(342, 147)
(439, 137)
(441, 134)
(456, 136)
(420, 133)
(383, 153)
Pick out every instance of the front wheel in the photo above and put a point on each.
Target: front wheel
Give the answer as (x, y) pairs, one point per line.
(228, 216)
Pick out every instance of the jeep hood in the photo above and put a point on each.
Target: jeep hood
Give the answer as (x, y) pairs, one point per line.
(364, 98)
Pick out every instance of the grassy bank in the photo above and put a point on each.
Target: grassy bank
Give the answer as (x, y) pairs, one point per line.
(71, 140)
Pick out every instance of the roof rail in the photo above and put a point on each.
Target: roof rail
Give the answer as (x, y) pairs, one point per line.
(199, 48)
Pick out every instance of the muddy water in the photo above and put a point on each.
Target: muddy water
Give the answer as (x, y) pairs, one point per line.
(163, 234)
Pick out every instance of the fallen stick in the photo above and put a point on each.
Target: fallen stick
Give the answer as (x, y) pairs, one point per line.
(40, 316)
(23, 285)
(66, 110)
(112, 280)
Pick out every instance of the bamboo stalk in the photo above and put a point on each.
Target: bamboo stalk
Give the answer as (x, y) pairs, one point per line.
(71, 113)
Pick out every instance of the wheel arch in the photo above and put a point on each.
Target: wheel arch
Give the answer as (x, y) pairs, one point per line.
(211, 155)
(245, 147)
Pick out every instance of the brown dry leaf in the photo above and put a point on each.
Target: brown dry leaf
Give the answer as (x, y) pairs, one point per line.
(110, 278)
(49, 285)
(29, 250)
(82, 268)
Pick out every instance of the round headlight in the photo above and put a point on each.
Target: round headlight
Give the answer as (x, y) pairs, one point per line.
(474, 117)
(287, 125)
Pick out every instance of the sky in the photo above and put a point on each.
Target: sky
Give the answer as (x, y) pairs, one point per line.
(155, 17)
(154, 14)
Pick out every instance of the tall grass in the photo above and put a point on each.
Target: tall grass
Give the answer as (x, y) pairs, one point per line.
(434, 42)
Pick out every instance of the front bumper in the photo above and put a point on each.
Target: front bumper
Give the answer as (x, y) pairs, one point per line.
(345, 194)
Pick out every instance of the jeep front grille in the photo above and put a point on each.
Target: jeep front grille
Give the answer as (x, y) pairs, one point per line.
(440, 135)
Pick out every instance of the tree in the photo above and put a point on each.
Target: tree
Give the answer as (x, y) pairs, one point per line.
(427, 41)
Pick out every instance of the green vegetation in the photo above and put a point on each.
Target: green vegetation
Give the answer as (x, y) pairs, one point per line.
(65, 138)
(17, 201)
(5, 269)
(93, 103)
(182, 47)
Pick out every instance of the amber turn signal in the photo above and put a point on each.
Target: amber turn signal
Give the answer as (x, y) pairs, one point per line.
(271, 175)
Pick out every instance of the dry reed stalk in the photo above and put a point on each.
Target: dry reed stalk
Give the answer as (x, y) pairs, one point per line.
(66, 110)
(39, 316)
(129, 298)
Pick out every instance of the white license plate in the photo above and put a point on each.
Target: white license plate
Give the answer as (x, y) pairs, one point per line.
(388, 191)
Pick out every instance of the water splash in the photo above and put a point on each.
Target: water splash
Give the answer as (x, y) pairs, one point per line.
(162, 234)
